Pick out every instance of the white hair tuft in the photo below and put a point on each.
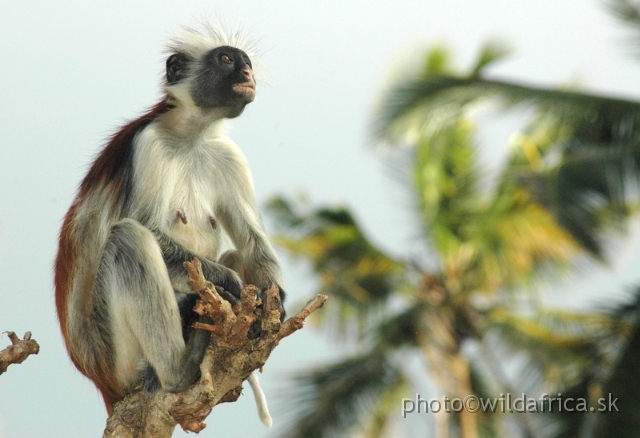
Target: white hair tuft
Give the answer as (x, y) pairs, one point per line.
(198, 40)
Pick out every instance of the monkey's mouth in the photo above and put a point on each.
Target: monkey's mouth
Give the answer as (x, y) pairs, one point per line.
(246, 89)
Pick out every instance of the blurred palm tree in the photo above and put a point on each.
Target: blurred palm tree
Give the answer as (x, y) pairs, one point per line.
(567, 179)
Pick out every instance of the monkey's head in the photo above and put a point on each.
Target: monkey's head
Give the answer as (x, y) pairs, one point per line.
(208, 70)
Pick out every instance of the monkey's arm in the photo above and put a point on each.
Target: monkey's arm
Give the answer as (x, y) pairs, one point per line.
(241, 220)
(175, 255)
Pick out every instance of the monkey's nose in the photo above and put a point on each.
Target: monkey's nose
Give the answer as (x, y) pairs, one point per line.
(247, 73)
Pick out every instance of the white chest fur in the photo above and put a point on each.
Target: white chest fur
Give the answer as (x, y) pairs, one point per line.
(180, 185)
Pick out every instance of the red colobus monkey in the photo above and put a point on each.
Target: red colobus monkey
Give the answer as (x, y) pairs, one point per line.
(165, 189)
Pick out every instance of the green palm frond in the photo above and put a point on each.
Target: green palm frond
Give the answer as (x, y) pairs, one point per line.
(628, 13)
(490, 53)
(483, 387)
(608, 373)
(386, 408)
(328, 401)
(567, 178)
(446, 179)
(588, 192)
(557, 354)
(400, 330)
(508, 242)
(623, 385)
(582, 175)
(566, 424)
(443, 97)
(357, 275)
(625, 10)
(487, 241)
(438, 61)
(622, 382)
(578, 158)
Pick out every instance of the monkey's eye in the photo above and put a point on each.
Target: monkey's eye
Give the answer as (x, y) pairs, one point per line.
(225, 58)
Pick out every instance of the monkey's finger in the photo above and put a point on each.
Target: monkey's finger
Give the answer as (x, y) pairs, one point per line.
(227, 295)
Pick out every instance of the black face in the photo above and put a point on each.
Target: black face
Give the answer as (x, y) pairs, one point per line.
(224, 78)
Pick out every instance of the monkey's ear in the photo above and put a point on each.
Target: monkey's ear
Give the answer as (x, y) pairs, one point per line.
(176, 68)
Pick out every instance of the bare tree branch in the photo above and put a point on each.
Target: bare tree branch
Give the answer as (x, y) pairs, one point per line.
(18, 351)
(229, 360)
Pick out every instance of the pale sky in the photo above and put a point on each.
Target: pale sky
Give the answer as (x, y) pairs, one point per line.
(73, 71)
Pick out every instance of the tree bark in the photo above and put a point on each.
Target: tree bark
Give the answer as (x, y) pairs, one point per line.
(229, 360)
(449, 367)
(18, 351)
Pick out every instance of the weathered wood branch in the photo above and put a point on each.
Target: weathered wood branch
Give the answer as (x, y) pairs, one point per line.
(229, 360)
(18, 351)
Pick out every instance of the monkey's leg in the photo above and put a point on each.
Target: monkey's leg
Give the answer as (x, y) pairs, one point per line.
(186, 303)
(144, 317)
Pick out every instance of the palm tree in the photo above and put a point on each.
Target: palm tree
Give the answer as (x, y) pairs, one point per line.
(566, 180)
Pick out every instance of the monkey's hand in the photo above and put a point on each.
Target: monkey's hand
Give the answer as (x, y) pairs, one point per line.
(279, 305)
(228, 282)
(264, 282)
(276, 303)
